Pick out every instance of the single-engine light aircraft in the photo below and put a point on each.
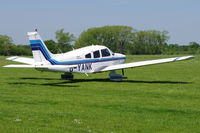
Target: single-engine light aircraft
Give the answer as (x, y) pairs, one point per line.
(89, 59)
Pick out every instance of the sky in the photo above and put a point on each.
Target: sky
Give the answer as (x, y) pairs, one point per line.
(181, 18)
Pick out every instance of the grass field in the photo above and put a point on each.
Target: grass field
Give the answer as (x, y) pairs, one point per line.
(158, 98)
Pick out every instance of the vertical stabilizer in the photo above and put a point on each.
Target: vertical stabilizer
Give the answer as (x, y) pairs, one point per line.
(39, 50)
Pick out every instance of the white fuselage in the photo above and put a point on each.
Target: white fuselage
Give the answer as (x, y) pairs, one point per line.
(88, 59)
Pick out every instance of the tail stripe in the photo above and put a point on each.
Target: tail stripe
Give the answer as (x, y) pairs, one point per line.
(37, 45)
(42, 49)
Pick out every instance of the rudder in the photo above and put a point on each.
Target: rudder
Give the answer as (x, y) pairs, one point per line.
(39, 50)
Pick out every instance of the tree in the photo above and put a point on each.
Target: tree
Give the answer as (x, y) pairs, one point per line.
(148, 42)
(4, 39)
(110, 36)
(24, 50)
(5, 45)
(65, 40)
(193, 47)
(52, 46)
(132, 41)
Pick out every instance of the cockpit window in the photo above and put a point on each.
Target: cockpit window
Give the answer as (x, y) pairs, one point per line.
(105, 52)
(112, 52)
(88, 55)
(96, 54)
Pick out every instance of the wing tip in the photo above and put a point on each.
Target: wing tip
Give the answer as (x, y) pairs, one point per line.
(12, 58)
(183, 58)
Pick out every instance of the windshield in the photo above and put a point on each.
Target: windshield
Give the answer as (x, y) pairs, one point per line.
(112, 52)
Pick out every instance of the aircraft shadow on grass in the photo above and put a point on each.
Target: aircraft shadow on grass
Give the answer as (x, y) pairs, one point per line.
(59, 84)
(64, 83)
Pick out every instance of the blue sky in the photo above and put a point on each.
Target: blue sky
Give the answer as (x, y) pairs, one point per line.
(180, 17)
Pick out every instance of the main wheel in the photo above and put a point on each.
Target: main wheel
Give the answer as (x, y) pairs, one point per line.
(67, 76)
(115, 77)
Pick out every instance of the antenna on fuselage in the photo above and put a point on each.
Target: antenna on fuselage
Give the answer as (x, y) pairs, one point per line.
(72, 47)
(60, 50)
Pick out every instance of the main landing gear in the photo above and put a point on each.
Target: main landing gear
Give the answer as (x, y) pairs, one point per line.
(112, 76)
(116, 77)
(67, 76)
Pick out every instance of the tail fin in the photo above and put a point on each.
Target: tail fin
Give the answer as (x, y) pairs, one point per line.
(39, 50)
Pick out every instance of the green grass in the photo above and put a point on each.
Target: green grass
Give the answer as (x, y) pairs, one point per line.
(158, 98)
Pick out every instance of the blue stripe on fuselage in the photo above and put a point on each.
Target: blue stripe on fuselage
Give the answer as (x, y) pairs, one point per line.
(38, 45)
(86, 61)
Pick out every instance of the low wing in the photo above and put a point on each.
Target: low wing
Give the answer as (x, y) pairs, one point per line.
(62, 68)
(144, 63)
(25, 60)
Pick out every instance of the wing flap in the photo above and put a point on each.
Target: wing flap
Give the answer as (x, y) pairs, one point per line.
(145, 63)
(25, 60)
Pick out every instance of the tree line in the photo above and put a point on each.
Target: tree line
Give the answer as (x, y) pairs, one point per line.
(118, 38)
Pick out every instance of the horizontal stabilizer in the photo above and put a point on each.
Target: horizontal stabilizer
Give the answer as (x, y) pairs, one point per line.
(25, 60)
(61, 68)
(20, 66)
(145, 63)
